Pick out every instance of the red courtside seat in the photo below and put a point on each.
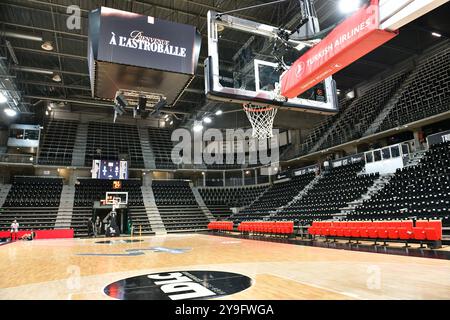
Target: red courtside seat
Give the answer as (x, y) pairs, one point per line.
(364, 229)
(405, 231)
(432, 229)
(393, 230)
(340, 229)
(419, 230)
(373, 230)
(355, 230)
(348, 229)
(382, 229)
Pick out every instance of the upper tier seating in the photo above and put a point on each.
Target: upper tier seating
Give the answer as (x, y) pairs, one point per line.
(421, 191)
(363, 111)
(220, 200)
(425, 94)
(57, 143)
(278, 195)
(161, 143)
(333, 191)
(178, 207)
(108, 141)
(87, 191)
(33, 202)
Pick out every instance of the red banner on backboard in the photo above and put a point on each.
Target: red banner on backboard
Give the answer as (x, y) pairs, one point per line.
(349, 41)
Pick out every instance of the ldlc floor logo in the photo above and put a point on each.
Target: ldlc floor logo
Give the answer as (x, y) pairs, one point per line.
(179, 285)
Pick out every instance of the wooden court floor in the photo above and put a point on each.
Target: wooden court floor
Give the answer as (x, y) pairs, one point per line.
(81, 268)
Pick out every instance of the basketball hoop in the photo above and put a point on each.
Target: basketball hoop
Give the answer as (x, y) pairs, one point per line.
(261, 118)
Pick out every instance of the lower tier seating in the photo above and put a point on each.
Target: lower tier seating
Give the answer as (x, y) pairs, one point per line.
(404, 231)
(178, 207)
(221, 225)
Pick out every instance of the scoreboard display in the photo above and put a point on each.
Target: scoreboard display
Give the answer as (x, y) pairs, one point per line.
(110, 170)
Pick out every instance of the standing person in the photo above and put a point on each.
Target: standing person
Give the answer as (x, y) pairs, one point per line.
(14, 230)
(90, 227)
(98, 226)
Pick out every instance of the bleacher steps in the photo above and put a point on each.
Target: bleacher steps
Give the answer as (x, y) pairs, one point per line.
(300, 195)
(373, 128)
(377, 186)
(201, 203)
(147, 151)
(65, 210)
(154, 218)
(4, 190)
(79, 148)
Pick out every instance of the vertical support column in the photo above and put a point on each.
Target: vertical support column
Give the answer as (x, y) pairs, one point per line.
(256, 176)
(204, 178)
(243, 177)
(224, 178)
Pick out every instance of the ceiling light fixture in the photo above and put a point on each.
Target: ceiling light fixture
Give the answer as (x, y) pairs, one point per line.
(47, 46)
(348, 6)
(10, 112)
(56, 77)
(3, 98)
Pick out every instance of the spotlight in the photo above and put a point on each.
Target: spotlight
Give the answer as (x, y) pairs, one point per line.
(171, 122)
(207, 120)
(157, 108)
(350, 94)
(47, 113)
(167, 119)
(435, 34)
(120, 104)
(3, 98)
(219, 112)
(142, 103)
(348, 6)
(56, 77)
(10, 112)
(47, 46)
(198, 127)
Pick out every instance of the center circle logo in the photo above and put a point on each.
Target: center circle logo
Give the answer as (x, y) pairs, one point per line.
(179, 285)
(300, 69)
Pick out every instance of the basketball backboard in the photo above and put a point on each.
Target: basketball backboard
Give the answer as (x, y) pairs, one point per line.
(113, 197)
(243, 66)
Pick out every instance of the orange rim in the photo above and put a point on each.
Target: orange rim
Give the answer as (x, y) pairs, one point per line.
(250, 109)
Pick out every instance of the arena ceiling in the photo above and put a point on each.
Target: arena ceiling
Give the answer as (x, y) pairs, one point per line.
(47, 19)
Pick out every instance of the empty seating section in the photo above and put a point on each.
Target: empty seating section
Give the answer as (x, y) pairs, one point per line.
(220, 200)
(337, 187)
(87, 191)
(379, 230)
(421, 191)
(278, 195)
(318, 132)
(363, 111)
(178, 207)
(221, 225)
(425, 94)
(267, 227)
(161, 143)
(57, 143)
(33, 202)
(108, 141)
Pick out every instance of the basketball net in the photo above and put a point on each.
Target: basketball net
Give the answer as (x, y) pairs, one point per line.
(261, 118)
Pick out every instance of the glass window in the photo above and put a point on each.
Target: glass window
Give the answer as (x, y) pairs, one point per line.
(31, 135)
(395, 151)
(386, 153)
(369, 157)
(16, 133)
(405, 149)
(377, 155)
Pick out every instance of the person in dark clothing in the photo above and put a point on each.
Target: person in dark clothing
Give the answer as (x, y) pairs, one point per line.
(98, 226)
(90, 227)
